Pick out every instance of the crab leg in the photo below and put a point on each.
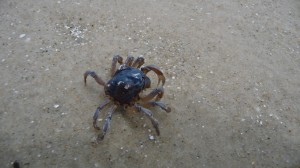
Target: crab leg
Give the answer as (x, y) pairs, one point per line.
(157, 92)
(158, 72)
(106, 124)
(95, 76)
(138, 62)
(149, 114)
(116, 59)
(96, 114)
(158, 103)
(129, 60)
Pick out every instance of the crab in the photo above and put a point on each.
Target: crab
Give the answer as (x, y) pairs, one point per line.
(124, 90)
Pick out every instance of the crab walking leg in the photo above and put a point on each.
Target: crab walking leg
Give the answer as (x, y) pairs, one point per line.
(96, 114)
(149, 114)
(158, 72)
(106, 124)
(158, 92)
(129, 60)
(95, 76)
(116, 59)
(138, 62)
(159, 104)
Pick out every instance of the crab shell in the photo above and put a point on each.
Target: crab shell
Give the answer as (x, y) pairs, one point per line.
(126, 84)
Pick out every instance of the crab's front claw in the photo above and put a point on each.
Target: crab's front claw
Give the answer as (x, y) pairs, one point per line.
(158, 72)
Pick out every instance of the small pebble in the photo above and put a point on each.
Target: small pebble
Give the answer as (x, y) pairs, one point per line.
(199, 76)
(22, 35)
(151, 137)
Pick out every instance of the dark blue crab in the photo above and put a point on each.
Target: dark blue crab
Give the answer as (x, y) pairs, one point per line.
(124, 89)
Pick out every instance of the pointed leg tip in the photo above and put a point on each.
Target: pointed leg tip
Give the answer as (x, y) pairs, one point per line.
(168, 110)
(97, 128)
(157, 132)
(95, 124)
(100, 138)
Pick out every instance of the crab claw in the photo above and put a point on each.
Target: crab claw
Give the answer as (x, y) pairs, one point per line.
(158, 72)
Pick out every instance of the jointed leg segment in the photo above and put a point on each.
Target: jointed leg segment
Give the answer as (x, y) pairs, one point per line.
(116, 59)
(95, 76)
(96, 114)
(159, 104)
(138, 62)
(158, 72)
(149, 114)
(106, 124)
(157, 92)
(129, 60)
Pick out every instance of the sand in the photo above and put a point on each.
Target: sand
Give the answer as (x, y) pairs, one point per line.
(232, 70)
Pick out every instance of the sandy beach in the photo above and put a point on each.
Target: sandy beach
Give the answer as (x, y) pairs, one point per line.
(232, 73)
